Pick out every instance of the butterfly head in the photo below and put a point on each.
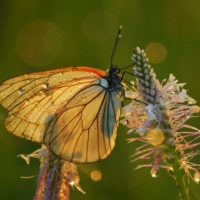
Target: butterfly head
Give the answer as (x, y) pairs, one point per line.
(114, 78)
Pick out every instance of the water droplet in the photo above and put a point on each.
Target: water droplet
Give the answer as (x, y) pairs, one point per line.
(61, 73)
(170, 169)
(71, 183)
(74, 160)
(171, 142)
(126, 122)
(46, 86)
(21, 91)
(197, 176)
(155, 172)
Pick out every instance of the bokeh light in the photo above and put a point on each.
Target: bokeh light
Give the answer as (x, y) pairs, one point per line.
(96, 175)
(39, 43)
(156, 53)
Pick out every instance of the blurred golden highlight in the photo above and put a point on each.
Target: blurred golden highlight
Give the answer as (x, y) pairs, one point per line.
(96, 175)
(39, 43)
(155, 136)
(156, 52)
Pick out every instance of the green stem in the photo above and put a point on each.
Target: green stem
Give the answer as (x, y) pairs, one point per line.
(177, 172)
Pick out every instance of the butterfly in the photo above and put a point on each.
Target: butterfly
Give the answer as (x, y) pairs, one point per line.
(74, 111)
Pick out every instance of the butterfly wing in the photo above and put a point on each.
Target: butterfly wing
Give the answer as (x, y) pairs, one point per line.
(86, 127)
(71, 110)
(34, 99)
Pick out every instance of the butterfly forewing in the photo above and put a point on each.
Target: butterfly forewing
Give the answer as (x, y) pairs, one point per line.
(30, 89)
(24, 129)
(34, 99)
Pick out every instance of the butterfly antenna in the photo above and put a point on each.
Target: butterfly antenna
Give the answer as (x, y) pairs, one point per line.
(116, 43)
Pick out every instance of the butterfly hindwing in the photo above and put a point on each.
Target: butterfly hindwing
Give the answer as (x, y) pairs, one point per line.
(85, 130)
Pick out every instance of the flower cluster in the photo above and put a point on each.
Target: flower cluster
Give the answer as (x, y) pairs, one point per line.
(158, 115)
(56, 175)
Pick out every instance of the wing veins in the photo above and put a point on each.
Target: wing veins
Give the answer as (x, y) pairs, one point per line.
(23, 94)
(97, 124)
(82, 89)
(64, 128)
(62, 110)
(68, 139)
(102, 125)
(51, 92)
(91, 123)
(81, 115)
(82, 123)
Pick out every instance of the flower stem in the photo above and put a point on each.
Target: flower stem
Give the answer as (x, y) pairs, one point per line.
(177, 172)
(52, 182)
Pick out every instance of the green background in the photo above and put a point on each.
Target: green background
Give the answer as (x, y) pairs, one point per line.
(83, 33)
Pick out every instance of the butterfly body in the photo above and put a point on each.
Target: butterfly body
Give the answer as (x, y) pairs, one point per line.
(74, 111)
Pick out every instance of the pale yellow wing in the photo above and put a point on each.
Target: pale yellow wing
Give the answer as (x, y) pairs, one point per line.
(72, 110)
(35, 99)
(85, 128)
